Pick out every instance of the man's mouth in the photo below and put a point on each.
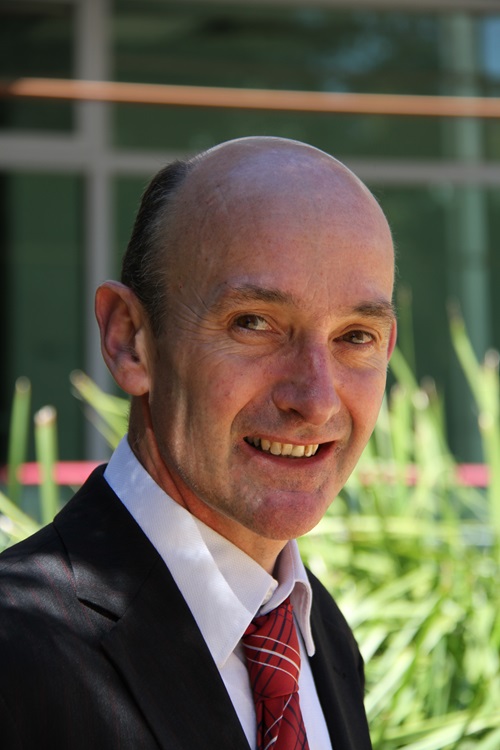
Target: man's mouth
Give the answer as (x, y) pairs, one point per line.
(283, 449)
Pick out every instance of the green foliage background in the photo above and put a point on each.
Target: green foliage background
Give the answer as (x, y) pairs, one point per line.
(411, 556)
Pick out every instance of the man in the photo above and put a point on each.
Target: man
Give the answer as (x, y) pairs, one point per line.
(252, 330)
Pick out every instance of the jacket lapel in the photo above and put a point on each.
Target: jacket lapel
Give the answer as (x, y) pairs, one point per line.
(338, 674)
(151, 637)
(157, 648)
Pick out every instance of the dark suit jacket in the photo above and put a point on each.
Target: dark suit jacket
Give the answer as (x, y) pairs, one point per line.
(99, 650)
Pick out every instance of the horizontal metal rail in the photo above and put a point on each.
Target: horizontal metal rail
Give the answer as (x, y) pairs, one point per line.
(256, 99)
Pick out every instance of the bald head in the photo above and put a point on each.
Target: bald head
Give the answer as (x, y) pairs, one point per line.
(237, 184)
(250, 152)
(272, 168)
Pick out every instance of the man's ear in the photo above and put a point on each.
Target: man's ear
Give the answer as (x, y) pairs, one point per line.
(124, 333)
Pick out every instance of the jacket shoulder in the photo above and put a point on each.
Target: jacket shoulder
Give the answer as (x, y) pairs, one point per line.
(47, 538)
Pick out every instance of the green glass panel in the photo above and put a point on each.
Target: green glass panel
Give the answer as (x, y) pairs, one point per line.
(36, 40)
(257, 46)
(447, 241)
(43, 295)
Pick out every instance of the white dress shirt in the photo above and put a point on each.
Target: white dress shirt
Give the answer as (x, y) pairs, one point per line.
(223, 587)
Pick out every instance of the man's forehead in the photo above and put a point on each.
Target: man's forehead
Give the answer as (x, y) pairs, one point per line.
(262, 183)
(267, 199)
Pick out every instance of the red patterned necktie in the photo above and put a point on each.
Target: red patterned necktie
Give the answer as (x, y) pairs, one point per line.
(273, 660)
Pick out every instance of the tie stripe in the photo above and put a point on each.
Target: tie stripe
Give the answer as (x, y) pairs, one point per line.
(273, 659)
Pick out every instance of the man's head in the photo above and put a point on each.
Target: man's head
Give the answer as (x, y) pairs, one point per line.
(257, 378)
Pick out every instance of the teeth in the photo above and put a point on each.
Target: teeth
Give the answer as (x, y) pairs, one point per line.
(284, 449)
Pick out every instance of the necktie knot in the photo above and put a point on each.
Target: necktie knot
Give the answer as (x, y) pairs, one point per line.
(272, 651)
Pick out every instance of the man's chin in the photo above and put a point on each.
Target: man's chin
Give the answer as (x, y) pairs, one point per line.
(287, 514)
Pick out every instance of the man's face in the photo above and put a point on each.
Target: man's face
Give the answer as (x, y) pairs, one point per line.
(267, 381)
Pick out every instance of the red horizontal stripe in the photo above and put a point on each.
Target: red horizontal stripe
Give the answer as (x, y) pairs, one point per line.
(74, 473)
(71, 473)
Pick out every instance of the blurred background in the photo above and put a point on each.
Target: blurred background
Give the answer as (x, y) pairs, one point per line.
(72, 172)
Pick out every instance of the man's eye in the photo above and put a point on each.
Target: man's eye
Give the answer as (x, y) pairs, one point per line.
(358, 337)
(252, 323)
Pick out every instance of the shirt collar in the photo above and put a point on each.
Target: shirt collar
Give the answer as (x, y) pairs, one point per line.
(223, 587)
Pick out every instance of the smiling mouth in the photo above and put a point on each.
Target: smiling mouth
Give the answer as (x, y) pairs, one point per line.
(283, 449)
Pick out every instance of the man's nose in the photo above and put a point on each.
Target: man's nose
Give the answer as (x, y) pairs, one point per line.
(308, 386)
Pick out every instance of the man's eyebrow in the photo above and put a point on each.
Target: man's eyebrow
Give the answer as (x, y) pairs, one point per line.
(378, 309)
(243, 293)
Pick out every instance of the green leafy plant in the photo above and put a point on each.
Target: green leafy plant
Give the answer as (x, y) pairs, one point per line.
(18, 436)
(108, 413)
